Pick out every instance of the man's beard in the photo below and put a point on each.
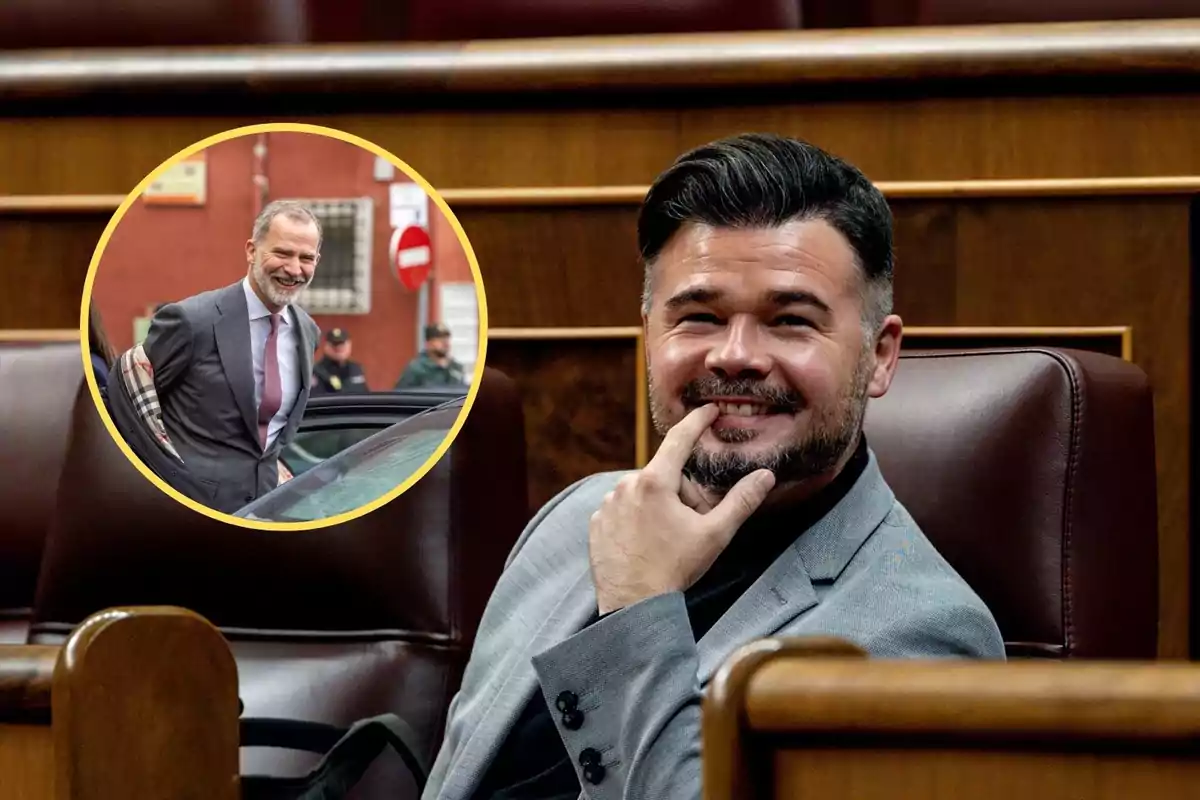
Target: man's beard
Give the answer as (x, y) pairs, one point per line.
(831, 432)
(273, 291)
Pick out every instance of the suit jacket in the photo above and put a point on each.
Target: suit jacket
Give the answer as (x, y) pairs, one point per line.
(204, 374)
(864, 572)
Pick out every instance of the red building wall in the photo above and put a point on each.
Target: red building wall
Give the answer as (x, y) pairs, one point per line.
(160, 254)
(451, 264)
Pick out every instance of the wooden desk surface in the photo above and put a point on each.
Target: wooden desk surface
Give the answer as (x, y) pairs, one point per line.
(786, 58)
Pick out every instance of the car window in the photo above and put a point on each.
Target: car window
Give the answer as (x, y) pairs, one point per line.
(361, 474)
(310, 448)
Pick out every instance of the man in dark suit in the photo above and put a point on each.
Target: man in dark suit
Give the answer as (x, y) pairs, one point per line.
(232, 367)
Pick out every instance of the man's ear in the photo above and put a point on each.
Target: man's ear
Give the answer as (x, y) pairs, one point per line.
(646, 341)
(887, 355)
(250, 252)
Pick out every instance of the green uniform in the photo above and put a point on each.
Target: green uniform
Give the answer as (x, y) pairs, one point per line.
(330, 377)
(424, 371)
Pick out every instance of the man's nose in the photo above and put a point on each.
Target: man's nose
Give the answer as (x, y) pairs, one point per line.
(740, 350)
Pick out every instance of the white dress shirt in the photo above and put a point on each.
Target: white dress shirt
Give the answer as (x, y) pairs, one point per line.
(287, 349)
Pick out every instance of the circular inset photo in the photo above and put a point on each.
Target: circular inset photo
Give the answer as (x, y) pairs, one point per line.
(283, 326)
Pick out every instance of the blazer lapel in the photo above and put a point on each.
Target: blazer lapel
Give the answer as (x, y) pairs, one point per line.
(232, 332)
(780, 594)
(785, 590)
(305, 347)
(513, 686)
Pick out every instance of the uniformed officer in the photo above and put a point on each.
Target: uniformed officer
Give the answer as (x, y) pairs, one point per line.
(336, 373)
(434, 366)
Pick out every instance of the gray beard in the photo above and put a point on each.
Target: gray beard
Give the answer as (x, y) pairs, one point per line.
(816, 455)
(268, 287)
(831, 436)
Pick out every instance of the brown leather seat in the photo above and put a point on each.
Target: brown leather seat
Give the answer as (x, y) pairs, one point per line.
(38, 383)
(978, 12)
(884, 13)
(1033, 472)
(149, 23)
(376, 615)
(497, 19)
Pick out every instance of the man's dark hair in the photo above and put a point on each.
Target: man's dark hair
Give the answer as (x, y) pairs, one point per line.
(758, 180)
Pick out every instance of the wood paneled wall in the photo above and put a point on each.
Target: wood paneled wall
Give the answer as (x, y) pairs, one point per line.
(1029, 192)
(584, 393)
(44, 262)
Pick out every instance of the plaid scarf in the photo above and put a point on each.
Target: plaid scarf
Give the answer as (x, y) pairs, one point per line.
(137, 375)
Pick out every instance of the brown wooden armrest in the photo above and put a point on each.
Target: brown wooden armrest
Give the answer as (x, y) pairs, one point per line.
(136, 703)
(789, 718)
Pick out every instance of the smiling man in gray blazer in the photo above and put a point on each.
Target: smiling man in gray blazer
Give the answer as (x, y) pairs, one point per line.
(768, 322)
(233, 367)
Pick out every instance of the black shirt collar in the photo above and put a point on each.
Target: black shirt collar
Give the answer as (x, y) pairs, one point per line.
(775, 529)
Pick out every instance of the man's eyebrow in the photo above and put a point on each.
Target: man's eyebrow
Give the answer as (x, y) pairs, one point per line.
(776, 298)
(690, 296)
(790, 298)
(287, 251)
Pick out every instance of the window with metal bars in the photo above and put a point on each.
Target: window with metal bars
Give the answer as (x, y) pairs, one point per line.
(342, 282)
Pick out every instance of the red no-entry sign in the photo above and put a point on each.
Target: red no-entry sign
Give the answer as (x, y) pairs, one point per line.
(411, 256)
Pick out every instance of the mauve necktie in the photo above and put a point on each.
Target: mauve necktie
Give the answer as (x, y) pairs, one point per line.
(272, 393)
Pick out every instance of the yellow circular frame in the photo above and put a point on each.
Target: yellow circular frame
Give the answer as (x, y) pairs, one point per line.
(480, 295)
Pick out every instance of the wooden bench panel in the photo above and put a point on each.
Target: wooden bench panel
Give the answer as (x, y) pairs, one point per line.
(136, 703)
(796, 718)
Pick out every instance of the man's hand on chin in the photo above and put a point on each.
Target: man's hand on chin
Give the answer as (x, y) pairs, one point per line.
(655, 533)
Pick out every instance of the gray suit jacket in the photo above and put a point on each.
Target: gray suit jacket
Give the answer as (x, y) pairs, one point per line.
(204, 375)
(864, 572)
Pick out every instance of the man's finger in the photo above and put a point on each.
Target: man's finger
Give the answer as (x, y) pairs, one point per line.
(740, 502)
(679, 442)
(693, 497)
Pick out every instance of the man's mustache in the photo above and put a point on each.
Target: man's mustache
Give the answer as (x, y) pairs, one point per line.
(700, 391)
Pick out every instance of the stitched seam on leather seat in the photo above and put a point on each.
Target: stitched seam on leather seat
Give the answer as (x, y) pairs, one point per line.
(456, 549)
(983, 351)
(302, 636)
(1073, 448)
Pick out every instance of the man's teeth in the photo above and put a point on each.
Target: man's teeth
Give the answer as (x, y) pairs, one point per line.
(742, 409)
